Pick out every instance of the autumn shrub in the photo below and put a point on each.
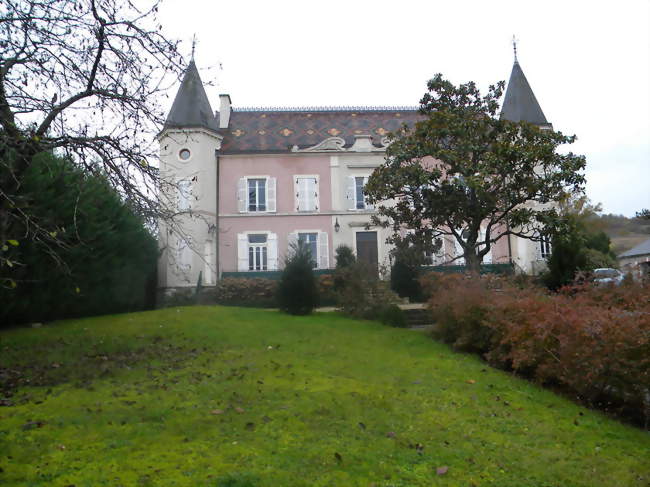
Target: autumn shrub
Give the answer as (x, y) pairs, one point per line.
(593, 342)
(255, 292)
(459, 305)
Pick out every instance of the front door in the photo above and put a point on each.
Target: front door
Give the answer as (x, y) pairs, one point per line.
(367, 248)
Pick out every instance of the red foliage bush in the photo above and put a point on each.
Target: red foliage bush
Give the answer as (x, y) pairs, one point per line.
(593, 341)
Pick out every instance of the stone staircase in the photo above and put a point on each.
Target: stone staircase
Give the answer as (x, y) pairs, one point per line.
(417, 317)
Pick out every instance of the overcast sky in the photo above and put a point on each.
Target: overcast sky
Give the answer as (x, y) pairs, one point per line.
(588, 63)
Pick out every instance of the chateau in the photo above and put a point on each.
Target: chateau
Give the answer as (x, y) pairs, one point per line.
(250, 181)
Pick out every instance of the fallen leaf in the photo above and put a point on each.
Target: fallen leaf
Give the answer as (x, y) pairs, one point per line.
(471, 381)
(216, 411)
(239, 410)
(250, 426)
(338, 457)
(61, 447)
(362, 426)
(390, 434)
(442, 470)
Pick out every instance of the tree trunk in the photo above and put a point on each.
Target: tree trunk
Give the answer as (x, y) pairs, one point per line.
(472, 262)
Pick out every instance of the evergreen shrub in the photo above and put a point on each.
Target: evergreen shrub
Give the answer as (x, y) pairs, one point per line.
(405, 272)
(298, 288)
(101, 258)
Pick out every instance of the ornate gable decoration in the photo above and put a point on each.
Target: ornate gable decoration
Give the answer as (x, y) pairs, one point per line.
(329, 144)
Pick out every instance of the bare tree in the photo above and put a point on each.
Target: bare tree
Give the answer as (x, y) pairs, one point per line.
(83, 78)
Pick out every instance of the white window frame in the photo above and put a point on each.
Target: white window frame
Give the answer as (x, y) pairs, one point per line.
(351, 196)
(299, 196)
(270, 194)
(322, 246)
(243, 245)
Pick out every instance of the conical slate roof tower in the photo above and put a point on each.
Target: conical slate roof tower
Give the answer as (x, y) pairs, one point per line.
(191, 107)
(520, 103)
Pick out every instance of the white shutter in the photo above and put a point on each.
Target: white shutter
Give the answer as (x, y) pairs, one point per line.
(367, 205)
(296, 191)
(242, 195)
(309, 190)
(323, 251)
(270, 194)
(272, 251)
(350, 194)
(242, 252)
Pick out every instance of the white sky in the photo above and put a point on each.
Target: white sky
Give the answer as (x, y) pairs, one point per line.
(588, 63)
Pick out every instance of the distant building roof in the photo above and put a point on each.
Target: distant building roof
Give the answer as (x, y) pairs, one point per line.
(520, 103)
(642, 249)
(191, 107)
(279, 129)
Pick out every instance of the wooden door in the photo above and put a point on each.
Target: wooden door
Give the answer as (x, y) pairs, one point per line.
(367, 248)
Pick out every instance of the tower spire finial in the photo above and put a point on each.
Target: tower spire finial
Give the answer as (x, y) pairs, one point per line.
(514, 46)
(193, 45)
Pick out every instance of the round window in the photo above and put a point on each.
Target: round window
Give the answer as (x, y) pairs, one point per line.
(184, 154)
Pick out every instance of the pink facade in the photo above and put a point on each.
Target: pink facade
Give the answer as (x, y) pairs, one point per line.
(286, 219)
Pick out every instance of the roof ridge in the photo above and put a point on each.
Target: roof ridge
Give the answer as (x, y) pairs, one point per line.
(353, 108)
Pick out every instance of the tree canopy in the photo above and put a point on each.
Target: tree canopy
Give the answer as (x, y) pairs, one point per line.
(463, 174)
(83, 78)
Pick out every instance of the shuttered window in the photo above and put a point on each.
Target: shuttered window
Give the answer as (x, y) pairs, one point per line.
(256, 194)
(306, 189)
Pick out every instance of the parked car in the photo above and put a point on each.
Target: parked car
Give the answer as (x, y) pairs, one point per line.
(607, 275)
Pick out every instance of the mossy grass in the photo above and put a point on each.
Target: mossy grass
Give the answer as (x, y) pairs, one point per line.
(214, 396)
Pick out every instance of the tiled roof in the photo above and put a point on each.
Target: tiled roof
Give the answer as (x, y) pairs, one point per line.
(279, 129)
(642, 249)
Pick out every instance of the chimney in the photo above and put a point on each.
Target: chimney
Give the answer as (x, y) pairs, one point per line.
(224, 111)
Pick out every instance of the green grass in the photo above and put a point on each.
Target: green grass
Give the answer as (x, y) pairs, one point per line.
(211, 396)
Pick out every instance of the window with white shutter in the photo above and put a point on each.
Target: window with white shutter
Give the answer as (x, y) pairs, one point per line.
(356, 195)
(306, 190)
(256, 194)
(257, 251)
(310, 240)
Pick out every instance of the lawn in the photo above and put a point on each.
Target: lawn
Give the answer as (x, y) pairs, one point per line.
(212, 396)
